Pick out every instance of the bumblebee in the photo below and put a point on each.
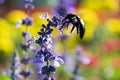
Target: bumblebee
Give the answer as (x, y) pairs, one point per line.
(76, 21)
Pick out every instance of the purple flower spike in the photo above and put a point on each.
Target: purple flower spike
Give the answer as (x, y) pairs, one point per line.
(26, 46)
(29, 1)
(28, 21)
(45, 42)
(29, 6)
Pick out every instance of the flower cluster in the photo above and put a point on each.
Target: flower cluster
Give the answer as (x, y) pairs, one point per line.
(15, 67)
(28, 21)
(26, 58)
(46, 54)
(14, 71)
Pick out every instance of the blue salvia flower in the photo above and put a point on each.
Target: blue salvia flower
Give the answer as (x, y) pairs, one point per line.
(45, 54)
(79, 59)
(28, 21)
(29, 5)
(15, 67)
(56, 21)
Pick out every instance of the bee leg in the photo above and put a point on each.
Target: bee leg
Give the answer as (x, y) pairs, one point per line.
(63, 24)
(72, 29)
(77, 28)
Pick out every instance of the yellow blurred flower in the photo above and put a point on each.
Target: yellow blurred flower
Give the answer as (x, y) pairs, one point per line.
(91, 21)
(37, 19)
(6, 43)
(113, 25)
(92, 4)
(112, 5)
(15, 15)
(4, 28)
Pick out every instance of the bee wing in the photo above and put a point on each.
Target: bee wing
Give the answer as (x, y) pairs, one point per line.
(81, 29)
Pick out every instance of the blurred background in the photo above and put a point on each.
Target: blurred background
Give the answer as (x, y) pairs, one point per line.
(99, 49)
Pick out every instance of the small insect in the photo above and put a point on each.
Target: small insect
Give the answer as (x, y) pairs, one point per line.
(76, 21)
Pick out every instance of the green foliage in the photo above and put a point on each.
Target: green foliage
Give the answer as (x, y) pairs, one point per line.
(4, 77)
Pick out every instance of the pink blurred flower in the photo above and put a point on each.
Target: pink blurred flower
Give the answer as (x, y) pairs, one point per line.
(93, 61)
(111, 45)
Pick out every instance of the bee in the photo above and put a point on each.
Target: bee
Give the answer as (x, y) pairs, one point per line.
(76, 21)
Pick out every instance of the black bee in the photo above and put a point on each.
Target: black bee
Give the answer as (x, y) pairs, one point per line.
(76, 21)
